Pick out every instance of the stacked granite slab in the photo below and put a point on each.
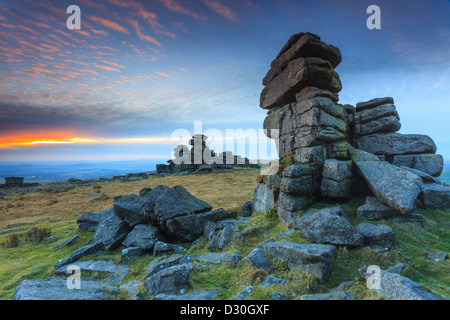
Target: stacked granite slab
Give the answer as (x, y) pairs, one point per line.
(301, 95)
(333, 151)
(376, 124)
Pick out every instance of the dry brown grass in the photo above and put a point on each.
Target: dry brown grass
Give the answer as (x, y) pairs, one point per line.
(228, 190)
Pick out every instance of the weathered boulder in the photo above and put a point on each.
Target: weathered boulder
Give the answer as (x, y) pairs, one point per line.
(396, 144)
(57, 289)
(162, 247)
(377, 237)
(258, 259)
(177, 202)
(393, 186)
(393, 286)
(310, 258)
(79, 253)
(143, 236)
(432, 164)
(130, 253)
(148, 200)
(90, 221)
(246, 210)
(264, 198)
(375, 210)
(111, 231)
(190, 227)
(128, 207)
(170, 280)
(327, 227)
(435, 196)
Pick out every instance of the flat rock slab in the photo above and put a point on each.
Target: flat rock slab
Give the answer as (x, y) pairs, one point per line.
(375, 210)
(128, 207)
(94, 266)
(90, 221)
(200, 295)
(79, 253)
(56, 289)
(393, 186)
(396, 144)
(311, 258)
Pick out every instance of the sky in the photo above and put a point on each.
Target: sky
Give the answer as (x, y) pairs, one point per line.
(138, 73)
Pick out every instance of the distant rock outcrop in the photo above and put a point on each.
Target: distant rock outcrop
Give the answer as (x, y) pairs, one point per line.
(201, 159)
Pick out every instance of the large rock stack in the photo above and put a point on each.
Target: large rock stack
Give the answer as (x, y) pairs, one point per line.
(331, 150)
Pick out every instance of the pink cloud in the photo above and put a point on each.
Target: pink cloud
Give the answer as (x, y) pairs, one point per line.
(109, 24)
(221, 9)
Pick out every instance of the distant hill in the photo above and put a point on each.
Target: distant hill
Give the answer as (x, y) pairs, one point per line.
(37, 171)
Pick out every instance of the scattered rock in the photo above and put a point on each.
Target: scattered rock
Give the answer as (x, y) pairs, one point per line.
(130, 253)
(67, 242)
(277, 296)
(258, 259)
(170, 280)
(246, 210)
(437, 256)
(377, 237)
(131, 287)
(79, 253)
(393, 286)
(272, 281)
(162, 263)
(311, 258)
(327, 227)
(162, 247)
(398, 268)
(243, 294)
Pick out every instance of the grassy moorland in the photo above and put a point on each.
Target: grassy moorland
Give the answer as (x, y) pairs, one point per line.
(30, 255)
